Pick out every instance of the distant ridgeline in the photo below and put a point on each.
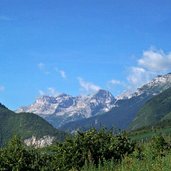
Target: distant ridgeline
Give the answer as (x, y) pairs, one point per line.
(127, 106)
(147, 106)
(24, 125)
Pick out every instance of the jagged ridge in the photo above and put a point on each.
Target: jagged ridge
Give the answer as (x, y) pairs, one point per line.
(125, 108)
(102, 108)
(65, 108)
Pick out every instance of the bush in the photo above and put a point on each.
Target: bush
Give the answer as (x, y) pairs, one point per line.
(91, 147)
(16, 156)
(159, 146)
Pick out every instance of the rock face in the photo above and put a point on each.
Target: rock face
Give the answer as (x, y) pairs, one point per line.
(154, 87)
(39, 143)
(126, 107)
(101, 109)
(65, 108)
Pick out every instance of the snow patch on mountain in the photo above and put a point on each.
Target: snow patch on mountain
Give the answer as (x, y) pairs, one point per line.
(68, 108)
(154, 87)
(65, 108)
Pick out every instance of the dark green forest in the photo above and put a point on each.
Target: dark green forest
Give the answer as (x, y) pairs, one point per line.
(90, 150)
(24, 125)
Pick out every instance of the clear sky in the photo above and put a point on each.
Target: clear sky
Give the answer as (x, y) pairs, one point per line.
(79, 46)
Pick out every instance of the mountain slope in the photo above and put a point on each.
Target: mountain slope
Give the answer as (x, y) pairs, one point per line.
(126, 108)
(101, 109)
(155, 110)
(117, 117)
(65, 108)
(25, 125)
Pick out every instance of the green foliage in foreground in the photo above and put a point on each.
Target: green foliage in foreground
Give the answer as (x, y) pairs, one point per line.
(89, 147)
(92, 147)
(15, 156)
(131, 163)
(152, 156)
(89, 151)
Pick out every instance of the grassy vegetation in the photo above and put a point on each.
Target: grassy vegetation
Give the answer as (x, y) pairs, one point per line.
(90, 151)
(146, 133)
(156, 110)
(146, 160)
(24, 125)
(149, 156)
(133, 164)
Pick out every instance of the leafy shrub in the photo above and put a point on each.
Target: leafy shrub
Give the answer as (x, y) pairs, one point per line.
(159, 146)
(93, 147)
(16, 156)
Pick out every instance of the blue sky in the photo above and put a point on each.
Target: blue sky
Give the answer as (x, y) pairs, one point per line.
(79, 46)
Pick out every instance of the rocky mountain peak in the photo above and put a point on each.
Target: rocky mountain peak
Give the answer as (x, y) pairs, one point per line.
(2, 106)
(71, 108)
(154, 87)
(103, 94)
(65, 108)
(159, 83)
(46, 99)
(63, 95)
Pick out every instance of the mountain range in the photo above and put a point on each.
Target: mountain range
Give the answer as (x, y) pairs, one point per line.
(65, 108)
(126, 107)
(100, 109)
